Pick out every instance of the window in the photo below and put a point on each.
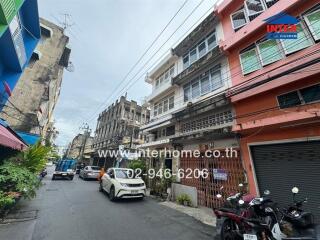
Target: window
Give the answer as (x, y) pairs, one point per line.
(171, 102)
(211, 41)
(187, 93)
(195, 89)
(289, 100)
(207, 82)
(202, 49)
(269, 51)
(270, 3)
(155, 110)
(311, 94)
(301, 96)
(186, 61)
(172, 71)
(205, 85)
(254, 8)
(216, 79)
(313, 21)
(193, 55)
(239, 19)
(293, 45)
(166, 76)
(165, 105)
(160, 108)
(249, 61)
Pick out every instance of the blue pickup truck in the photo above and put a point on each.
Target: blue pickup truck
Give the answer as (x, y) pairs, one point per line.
(65, 168)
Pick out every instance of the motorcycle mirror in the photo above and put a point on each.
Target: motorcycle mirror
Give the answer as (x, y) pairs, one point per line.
(240, 184)
(266, 192)
(295, 190)
(221, 187)
(241, 202)
(219, 195)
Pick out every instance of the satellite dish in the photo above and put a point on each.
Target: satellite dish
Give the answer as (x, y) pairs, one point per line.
(70, 67)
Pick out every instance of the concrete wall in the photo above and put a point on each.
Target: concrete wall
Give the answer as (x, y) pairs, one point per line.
(39, 86)
(178, 189)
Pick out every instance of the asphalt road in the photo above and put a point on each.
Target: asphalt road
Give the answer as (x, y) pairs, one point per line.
(75, 209)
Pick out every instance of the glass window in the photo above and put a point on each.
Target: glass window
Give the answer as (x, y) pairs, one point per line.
(187, 93)
(172, 71)
(293, 45)
(186, 61)
(238, 19)
(157, 82)
(166, 76)
(155, 110)
(202, 49)
(160, 108)
(165, 105)
(205, 85)
(289, 100)
(195, 89)
(211, 41)
(254, 8)
(249, 61)
(269, 51)
(270, 3)
(313, 21)
(216, 79)
(193, 55)
(171, 102)
(161, 79)
(311, 94)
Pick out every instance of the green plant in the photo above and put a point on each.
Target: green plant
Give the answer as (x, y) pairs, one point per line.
(137, 164)
(184, 199)
(15, 178)
(34, 158)
(5, 200)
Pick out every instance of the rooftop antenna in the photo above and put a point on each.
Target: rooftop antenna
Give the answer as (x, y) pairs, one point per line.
(66, 21)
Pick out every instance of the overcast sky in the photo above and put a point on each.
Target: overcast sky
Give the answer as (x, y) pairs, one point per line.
(107, 38)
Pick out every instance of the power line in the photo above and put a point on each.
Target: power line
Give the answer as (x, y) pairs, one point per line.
(197, 6)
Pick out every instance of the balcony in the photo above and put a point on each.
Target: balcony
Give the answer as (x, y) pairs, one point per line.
(159, 91)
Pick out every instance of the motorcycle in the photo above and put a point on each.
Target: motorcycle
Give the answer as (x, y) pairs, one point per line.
(262, 219)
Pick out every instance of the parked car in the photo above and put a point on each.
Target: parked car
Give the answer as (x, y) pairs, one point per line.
(89, 172)
(121, 183)
(65, 168)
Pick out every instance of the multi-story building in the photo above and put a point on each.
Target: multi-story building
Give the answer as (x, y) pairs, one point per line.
(205, 115)
(163, 102)
(81, 148)
(19, 35)
(189, 111)
(276, 93)
(36, 93)
(118, 126)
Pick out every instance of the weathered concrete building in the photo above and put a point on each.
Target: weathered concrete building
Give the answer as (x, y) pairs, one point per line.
(81, 148)
(35, 96)
(119, 126)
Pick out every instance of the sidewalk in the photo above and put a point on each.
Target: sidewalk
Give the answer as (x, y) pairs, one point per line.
(203, 214)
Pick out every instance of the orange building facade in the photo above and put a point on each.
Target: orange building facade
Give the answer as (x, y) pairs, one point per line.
(276, 94)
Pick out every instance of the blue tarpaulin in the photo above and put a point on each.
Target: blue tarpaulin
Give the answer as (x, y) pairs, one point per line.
(29, 138)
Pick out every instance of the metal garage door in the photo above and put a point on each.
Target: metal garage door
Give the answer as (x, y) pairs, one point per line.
(279, 167)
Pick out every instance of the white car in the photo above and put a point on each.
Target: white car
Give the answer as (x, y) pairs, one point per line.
(121, 183)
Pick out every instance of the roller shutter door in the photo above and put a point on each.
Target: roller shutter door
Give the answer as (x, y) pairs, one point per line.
(279, 167)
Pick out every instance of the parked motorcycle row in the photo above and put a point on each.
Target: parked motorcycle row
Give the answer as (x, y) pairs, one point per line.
(254, 218)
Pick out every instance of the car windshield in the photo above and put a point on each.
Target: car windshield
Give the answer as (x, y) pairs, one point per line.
(95, 168)
(121, 173)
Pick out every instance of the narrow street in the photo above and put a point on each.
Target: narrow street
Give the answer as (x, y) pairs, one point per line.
(76, 210)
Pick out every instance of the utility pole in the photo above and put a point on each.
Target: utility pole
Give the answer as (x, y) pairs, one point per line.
(86, 134)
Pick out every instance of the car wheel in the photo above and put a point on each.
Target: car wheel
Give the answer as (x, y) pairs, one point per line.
(100, 187)
(53, 177)
(112, 194)
(71, 178)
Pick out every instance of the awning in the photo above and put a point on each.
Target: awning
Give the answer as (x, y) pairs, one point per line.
(29, 138)
(9, 138)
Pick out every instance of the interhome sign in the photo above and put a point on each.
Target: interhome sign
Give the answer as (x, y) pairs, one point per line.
(282, 26)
